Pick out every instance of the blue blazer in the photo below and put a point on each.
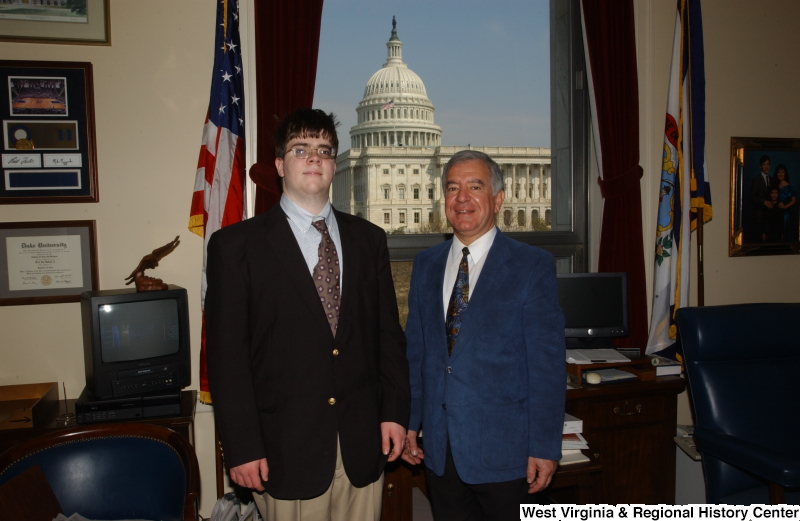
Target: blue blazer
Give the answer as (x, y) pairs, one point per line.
(499, 398)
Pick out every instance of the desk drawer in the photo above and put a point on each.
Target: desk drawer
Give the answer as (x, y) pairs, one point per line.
(628, 411)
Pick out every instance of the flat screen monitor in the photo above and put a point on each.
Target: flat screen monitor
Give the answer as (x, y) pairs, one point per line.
(136, 342)
(595, 308)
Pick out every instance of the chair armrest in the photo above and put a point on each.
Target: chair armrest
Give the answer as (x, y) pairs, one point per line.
(767, 462)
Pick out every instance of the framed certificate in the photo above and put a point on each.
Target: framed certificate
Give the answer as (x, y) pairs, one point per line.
(47, 262)
(47, 120)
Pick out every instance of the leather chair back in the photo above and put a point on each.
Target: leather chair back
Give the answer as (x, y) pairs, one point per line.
(113, 471)
(743, 366)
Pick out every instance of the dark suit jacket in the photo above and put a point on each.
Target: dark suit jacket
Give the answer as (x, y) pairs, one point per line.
(271, 366)
(759, 192)
(499, 398)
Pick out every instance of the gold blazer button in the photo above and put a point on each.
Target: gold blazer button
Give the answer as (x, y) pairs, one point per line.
(332, 401)
(335, 352)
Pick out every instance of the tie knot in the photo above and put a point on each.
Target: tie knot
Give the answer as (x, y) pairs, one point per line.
(320, 225)
(465, 251)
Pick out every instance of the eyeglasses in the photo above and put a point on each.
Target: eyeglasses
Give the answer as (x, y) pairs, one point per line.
(304, 152)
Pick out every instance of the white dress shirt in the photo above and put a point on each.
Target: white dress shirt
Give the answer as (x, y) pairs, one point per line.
(476, 258)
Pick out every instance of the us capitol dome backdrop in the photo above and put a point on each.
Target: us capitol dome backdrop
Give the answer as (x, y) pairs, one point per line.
(392, 173)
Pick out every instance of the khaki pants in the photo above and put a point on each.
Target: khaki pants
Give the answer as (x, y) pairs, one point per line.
(341, 502)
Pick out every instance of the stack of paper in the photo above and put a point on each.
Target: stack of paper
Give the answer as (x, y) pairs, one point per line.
(595, 356)
(572, 442)
(572, 424)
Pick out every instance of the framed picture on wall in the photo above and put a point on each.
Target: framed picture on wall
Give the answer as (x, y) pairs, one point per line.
(85, 22)
(47, 118)
(47, 262)
(765, 196)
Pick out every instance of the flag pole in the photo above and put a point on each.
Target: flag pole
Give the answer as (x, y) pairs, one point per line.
(700, 274)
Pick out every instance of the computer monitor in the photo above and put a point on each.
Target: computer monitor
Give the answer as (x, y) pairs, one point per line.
(595, 308)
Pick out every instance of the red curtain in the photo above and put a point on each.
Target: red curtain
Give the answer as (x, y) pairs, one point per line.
(610, 38)
(287, 44)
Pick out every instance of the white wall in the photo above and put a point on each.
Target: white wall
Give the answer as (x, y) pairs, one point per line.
(151, 90)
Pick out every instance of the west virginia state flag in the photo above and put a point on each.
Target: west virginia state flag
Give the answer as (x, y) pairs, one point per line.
(219, 186)
(684, 186)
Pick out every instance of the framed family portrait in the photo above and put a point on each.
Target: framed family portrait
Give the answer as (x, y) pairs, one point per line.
(47, 118)
(85, 22)
(47, 262)
(765, 178)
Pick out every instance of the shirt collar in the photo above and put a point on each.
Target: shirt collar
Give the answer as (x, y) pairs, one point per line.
(303, 218)
(477, 249)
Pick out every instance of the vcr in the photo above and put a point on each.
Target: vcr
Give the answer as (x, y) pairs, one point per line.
(138, 381)
(89, 409)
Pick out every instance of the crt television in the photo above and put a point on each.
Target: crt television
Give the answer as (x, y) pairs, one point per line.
(595, 308)
(136, 342)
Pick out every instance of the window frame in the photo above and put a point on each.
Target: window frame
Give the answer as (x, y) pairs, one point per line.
(572, 192)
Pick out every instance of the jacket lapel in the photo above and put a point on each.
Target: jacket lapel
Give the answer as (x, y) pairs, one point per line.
(433, 304)
(351, 264)
(495, 270)
(281, 240)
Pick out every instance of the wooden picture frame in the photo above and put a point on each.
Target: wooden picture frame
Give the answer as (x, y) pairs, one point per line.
(47, 262)
(56, 24)
(765, 196)
(49, 152)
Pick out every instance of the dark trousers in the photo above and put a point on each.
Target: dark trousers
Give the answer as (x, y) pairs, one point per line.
(454, 500)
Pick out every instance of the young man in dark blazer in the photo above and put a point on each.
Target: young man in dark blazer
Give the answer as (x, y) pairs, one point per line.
(306, 358)
(486, 357)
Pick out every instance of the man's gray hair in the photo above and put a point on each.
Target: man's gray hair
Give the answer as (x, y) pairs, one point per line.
(495, 174)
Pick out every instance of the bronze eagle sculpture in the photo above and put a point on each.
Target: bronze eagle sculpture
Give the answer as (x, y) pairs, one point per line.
(148, 262)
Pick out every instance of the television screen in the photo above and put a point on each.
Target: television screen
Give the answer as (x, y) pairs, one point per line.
(139, 330)
(136, 342)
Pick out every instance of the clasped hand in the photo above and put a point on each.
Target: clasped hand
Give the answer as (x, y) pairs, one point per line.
(538, 475)
(253, 473)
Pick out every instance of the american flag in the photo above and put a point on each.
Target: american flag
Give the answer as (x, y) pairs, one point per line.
(219, 186)
(389, 105)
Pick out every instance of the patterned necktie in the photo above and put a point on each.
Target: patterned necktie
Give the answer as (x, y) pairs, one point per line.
(326, 275)
(458, 302)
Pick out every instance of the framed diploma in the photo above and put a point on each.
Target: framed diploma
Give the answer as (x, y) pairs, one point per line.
(47, 262)
(47, 128)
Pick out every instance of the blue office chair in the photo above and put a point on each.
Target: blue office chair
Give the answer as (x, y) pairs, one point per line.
(743, 365)
(114, 471)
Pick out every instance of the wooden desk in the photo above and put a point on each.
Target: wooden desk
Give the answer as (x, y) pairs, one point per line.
(629, 427)
(183, 423)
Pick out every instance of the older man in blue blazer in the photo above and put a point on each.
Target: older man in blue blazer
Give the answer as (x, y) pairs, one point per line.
(485, 348)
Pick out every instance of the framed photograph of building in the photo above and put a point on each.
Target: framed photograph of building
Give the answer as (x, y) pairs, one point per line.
(47, 262)
(85, 22)
(47, 120)
(765, 196)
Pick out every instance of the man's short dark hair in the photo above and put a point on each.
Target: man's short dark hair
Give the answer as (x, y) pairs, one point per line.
(763, 159)
(313, 123)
